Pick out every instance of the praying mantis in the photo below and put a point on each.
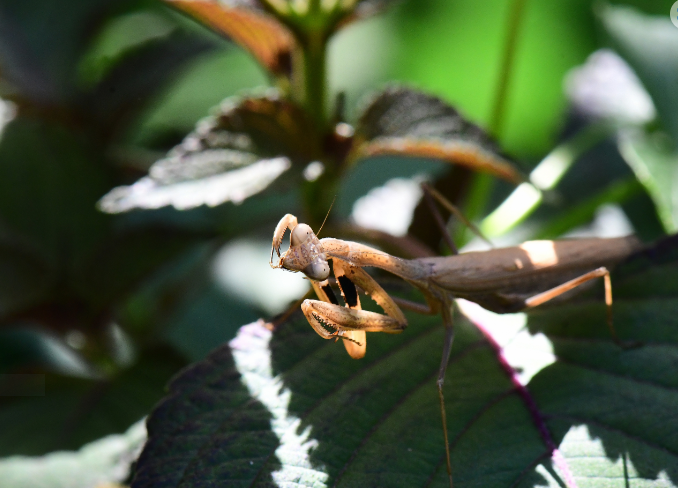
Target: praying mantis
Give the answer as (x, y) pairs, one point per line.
(501, 280)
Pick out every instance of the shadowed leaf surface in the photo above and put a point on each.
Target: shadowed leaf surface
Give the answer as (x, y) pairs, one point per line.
(408, 123)
(231, 156)
(75, 411)
(128, 87)
(376, 422)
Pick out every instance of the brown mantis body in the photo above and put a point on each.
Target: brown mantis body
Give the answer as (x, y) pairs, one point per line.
(501, 280)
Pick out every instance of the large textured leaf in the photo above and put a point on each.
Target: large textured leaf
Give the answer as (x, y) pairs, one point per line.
(649, 45)
(408, 123)
(288, 409)
(231, 155)
(263, 36)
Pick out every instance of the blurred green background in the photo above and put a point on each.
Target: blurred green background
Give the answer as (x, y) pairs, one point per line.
(109, 307)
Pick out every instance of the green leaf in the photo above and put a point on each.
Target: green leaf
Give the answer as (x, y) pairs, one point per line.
(98, 463)
(656, 167)
(62, 263)
(75, 411)
(41, 45)
(129, 86)
(623, 397)
(24, 277)
(310, 416)
(232, 155)
(50, 179)
(649, 44)
(407, 123)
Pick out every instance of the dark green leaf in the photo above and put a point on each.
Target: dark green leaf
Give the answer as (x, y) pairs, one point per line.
(124, 260)
(621, 399)
(50, 180)
(129, 86)
(207, 410)
(231, 156)
(318, 418)
(75, 411)
(41, 44)
(407, 123)
(24, 277)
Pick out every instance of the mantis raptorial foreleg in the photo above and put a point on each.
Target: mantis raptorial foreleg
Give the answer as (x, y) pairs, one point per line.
(354, 340)
(350, 323)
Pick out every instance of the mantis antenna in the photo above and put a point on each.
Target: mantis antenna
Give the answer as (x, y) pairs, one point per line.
(328, 214)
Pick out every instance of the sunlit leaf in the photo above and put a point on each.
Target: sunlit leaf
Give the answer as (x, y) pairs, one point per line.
(649, 44)
(256, 31)
(97, 464)
(408, 123)
(232, 155)
(656, 167)
(317, 418)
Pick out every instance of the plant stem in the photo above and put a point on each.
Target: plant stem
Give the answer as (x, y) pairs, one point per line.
(496, 122)
(315, 75)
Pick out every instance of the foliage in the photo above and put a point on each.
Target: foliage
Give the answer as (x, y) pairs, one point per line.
(376, 423)
(107, 244)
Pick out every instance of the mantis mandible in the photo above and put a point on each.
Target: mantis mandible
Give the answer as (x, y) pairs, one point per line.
(501, 280)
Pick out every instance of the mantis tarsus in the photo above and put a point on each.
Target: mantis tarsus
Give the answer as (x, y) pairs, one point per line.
(501, 280)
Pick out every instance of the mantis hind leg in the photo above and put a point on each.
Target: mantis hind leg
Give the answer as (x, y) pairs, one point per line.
(601, 272)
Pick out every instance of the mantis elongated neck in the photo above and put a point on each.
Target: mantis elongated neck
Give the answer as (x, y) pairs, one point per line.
(362, 255)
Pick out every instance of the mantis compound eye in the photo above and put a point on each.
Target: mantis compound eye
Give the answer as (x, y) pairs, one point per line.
(318, 270)
(300, 234)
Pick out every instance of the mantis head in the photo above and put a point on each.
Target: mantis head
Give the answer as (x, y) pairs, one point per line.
(305, 253)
